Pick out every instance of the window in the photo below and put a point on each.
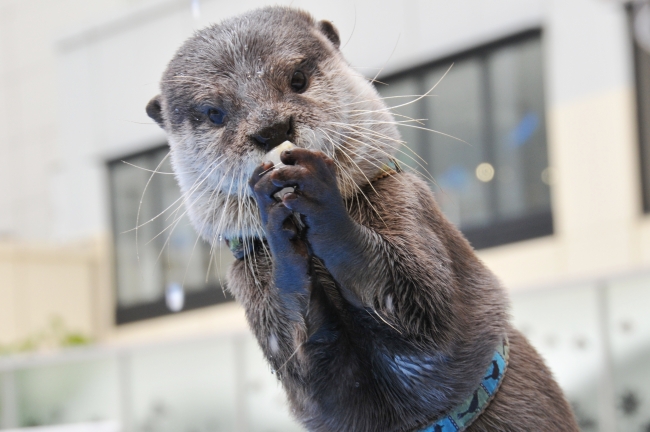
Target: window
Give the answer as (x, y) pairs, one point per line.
(163, 267)
(640, 16)
(487, 162)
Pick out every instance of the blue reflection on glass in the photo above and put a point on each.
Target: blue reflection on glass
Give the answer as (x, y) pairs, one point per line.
(455, 177)
(524, 130)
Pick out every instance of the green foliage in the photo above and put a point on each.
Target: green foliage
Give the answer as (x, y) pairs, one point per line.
(56, 335)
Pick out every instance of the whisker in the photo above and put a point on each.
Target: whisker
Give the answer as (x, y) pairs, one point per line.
(342, 170)
(389, 57)
(375, 148)
(145, 169)
(175, 223)
(354, 26)
(170, 206)
(216, 233)
(215, 191)
(291, 356)
(428, 92)
(396, 148)
(337, 107)
(137, 217)
(371, 123)
(342, 151)
(426, 173)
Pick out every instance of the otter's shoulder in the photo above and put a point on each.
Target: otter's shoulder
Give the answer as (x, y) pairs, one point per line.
(394, 199)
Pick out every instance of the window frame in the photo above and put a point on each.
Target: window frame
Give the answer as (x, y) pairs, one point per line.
(212, 294)
(498, 233)
(643, 130)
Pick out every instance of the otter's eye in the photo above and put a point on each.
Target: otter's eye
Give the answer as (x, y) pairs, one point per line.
(298, 81)
(216, 115)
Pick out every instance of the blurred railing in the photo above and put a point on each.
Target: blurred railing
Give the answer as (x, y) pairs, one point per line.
(595, 335)
(207, 384)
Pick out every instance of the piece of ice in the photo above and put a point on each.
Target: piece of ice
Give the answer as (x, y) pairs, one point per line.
(274, 155)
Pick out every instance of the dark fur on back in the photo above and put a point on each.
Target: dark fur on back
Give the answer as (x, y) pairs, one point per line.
(372, 308)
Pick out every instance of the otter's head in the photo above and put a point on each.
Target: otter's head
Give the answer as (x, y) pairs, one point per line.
(235, 90)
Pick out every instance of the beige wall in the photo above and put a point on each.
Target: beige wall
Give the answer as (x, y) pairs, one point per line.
(38, 284)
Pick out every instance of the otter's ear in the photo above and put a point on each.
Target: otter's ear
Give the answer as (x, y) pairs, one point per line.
(328, 29)
(154, 110)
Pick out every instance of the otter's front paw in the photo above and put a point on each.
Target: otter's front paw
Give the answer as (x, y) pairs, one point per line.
(316, 195)
(281, 231)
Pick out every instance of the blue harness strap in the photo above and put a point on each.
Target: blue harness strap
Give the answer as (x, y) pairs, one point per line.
(459, 418)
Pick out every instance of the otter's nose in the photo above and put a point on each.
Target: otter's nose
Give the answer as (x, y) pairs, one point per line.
(274, 135)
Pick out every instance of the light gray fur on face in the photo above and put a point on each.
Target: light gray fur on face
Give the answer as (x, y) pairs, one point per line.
(246, 69)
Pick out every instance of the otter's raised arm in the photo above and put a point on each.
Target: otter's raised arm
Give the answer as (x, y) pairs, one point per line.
(390, 256)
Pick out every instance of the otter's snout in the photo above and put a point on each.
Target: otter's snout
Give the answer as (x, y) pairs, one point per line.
(272, 136)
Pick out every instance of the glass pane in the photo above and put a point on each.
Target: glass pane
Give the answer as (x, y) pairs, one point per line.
(486, 151)
(185, 257)
(400, 94)
(127, 185)
(68, 393)
(563, 325)
(629, 326)
(187, 387)
(456, 109)
(517, 112)
(165, 254)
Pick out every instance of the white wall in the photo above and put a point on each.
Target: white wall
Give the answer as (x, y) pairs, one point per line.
(29, 107)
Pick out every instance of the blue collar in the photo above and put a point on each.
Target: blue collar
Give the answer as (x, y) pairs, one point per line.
(459, 418)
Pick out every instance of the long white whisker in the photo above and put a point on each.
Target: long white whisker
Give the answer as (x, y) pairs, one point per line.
(146, 169)
(365, 131)
(428, 175)
(338, 107)
(183, 203)
(137, 217)
(168, 207)
(216, 236)
(342, 151)
(371, 123)
(389, 57)
(428, 92)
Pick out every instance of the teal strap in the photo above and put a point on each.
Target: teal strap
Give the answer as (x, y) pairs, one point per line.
(396, 165)
(241, 248)
(464, 414)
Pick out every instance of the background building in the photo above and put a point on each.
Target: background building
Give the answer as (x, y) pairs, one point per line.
(550, 180)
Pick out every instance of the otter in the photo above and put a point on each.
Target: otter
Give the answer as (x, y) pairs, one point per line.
(371, 307)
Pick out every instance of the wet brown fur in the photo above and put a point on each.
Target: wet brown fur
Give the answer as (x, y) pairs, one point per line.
(377, 315)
